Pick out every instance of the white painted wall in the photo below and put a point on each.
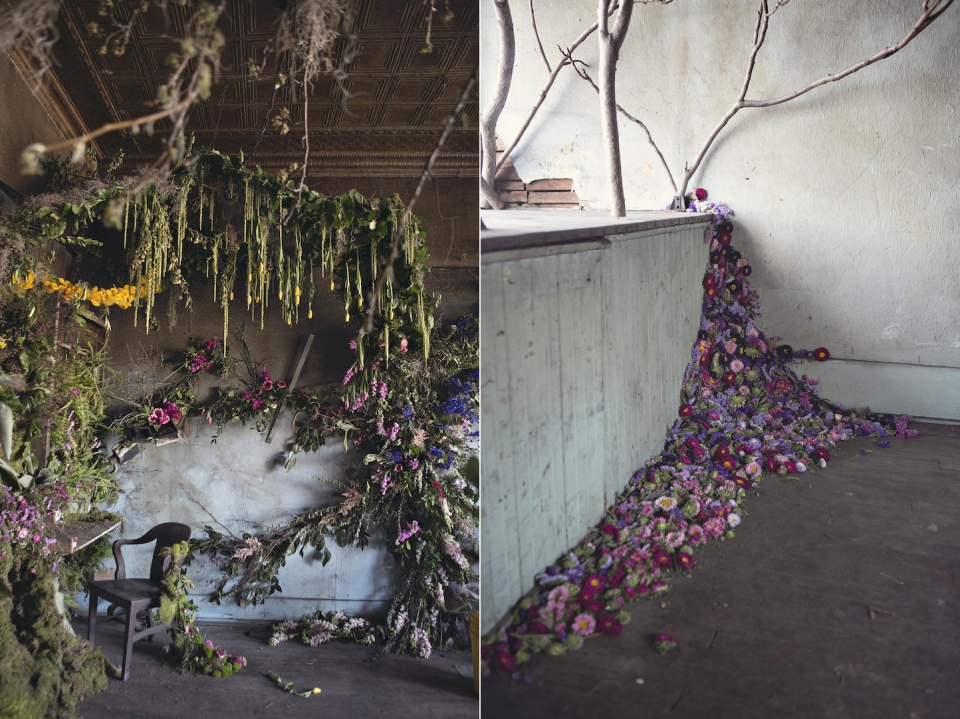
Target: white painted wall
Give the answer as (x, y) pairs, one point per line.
(846, 199)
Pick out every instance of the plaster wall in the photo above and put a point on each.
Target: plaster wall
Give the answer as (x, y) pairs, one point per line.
(846, 199)
(239, 484)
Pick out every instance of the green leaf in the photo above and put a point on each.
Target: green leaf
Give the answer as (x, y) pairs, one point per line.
(6, 429)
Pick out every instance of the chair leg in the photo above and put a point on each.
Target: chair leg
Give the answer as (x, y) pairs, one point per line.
(149, 624)
(128, 642)
(92, 619)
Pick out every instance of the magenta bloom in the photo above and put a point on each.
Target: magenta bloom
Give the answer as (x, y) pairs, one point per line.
(686, 410)
(504, 661)
(158, 417)
(686, 561)
(663, 560)
(609, 624)
(700, 194)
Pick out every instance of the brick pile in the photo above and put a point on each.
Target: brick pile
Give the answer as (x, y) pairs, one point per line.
(550, 194)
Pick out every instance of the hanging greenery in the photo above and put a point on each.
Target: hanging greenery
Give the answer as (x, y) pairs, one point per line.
(409, 400)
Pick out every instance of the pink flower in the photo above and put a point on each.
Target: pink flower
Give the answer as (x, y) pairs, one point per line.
(189, 629)
(221, 654)
(700, 194)
(584, 625)
(281, 385)
(404, 345)
(158, 417)
(208, 643)
(714, 527)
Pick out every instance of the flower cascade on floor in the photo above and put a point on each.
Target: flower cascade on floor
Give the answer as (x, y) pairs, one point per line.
(743, 412)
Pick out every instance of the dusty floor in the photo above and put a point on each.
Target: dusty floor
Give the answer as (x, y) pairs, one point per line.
(354, 680)
(839, 597)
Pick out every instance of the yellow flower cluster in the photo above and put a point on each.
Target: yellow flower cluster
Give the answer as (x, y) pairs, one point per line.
(122, 297)
(25, 282)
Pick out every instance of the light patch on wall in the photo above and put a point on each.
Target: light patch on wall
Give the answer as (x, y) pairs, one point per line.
(646, 173)
(892, 332)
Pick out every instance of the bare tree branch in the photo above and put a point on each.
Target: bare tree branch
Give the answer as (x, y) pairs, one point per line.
(610, 43)
(932, 9)
(583, 74)
(490, 195)
(488, 120)
(387, 272)
(536, 34)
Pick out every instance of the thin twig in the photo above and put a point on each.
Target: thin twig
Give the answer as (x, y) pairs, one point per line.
(583, 74)
(401, 227)
(932, 9)
(536, 34)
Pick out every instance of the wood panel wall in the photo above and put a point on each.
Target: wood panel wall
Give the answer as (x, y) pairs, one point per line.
(584, 349)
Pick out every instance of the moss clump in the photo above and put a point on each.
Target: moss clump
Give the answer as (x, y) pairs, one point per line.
(45, 670)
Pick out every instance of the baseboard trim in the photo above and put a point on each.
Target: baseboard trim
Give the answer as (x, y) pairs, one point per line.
(930, 393)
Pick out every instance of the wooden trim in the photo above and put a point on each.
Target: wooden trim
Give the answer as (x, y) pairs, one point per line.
(52, 96)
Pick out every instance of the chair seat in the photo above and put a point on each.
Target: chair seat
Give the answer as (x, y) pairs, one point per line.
(122, 591)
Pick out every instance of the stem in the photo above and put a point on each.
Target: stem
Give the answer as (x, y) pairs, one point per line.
(932, 9)
(488, 120)
(583, 74)
(610, 43)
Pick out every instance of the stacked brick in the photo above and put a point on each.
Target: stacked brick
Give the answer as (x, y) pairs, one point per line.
(548, 194)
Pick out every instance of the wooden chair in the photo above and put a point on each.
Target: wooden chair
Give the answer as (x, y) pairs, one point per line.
(137, 595)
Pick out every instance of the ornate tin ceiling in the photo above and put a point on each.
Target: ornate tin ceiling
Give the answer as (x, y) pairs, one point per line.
(386, 125)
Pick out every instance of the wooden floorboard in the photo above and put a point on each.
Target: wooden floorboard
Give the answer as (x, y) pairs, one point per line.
(355, 681)
(839, 597)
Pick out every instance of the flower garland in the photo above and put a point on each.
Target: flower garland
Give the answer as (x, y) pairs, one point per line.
(190, 651)
(743, 412)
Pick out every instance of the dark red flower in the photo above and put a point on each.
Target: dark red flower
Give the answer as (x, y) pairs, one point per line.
(821, 354)
(663, 560)
(505, 661)
(728, 463)
(686, 561)
(609, 624)
(686, 410)
(711, 292)
(742, 482)
(770, 464)
(821, 453)
(730, 377)
(591, 605)
(722, 451)
(700, 194)
(791, 467)
(611, 531)
(709, 281)
(724, 238)
(538, 627)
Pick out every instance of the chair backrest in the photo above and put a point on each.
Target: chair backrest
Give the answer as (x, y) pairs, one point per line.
(166, 535)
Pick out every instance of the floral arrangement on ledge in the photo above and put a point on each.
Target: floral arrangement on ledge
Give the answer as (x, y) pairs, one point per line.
(743, 412)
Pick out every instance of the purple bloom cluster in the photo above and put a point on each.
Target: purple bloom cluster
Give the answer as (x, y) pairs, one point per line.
(743, 412)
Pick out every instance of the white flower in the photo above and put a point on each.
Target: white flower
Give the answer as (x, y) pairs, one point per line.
(823, 463)
(801, 467)
(734, 520)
